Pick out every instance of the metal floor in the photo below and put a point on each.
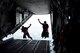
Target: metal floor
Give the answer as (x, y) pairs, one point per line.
(25, 46)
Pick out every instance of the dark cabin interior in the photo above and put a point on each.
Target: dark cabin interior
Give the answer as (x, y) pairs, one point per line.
(65, 22)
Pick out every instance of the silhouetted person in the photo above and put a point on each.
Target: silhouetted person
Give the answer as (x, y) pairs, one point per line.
(45, 29)
(25, 31)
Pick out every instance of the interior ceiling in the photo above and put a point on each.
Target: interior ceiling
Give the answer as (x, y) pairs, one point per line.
(35, 6)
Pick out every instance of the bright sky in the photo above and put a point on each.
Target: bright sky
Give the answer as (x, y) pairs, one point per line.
(36, 28)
